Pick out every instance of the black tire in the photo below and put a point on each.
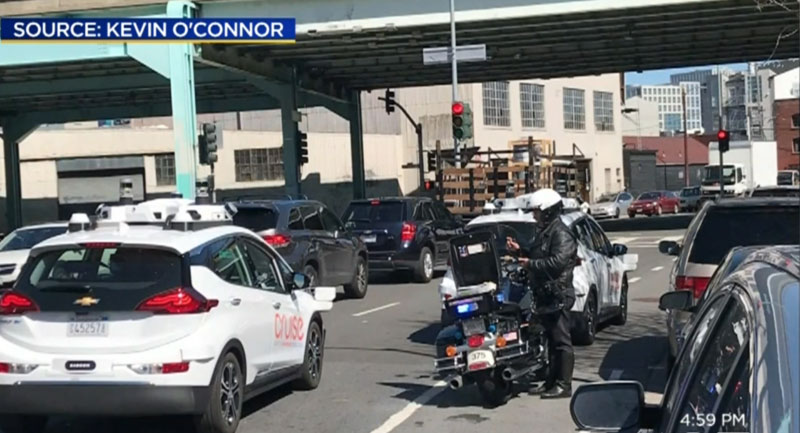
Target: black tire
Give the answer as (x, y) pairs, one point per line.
(616, 214)
(357, 288)
(311, 372)
(423, 271)
(588, 324)
(631, 215)
(493, 389)
(659, 211)
(23, 424)
(311, 272)
(224, 410)
(676, 210)
(622, 317)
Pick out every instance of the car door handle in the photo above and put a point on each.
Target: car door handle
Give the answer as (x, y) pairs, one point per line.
(235, 301)
(276, 305)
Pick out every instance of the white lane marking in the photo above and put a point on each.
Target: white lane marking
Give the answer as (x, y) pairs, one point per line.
(657, 268)
(615, 374)
(622, 240)
(673, 238)
(382, 307)
(395, 420)
(634, 279)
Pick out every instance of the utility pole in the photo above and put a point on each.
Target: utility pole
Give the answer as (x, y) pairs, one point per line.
(454, 62)
(685, 140)
(721, 127)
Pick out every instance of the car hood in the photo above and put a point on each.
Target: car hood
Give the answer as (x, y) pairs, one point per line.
(605, 205)
(17, 256)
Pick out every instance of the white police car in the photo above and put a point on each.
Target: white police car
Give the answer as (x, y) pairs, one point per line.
(123, 317)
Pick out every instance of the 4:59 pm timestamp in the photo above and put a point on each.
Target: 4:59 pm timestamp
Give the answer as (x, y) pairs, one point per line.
(727, 422)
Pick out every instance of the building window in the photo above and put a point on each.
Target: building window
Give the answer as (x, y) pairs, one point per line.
(604, 111)
(796, 145)
(165, 169)
(495, 104)
(574, 109)
(259, 164)
(531, 98)
(796, 121)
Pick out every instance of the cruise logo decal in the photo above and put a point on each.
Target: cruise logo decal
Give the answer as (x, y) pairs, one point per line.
(289, 328)
(80, 365)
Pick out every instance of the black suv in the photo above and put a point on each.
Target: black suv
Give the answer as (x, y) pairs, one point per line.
(404, 233)
(311, 238)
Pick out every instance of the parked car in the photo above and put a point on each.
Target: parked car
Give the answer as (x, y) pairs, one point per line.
(718, 227)
(655, 203)
(611, 205)
(312, 239)
(789, 177)
(739, 370)
(600, 279)
(690, 199)
(776, 191)
(404, 233)
(15, 247)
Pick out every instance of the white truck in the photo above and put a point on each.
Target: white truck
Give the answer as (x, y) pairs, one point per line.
(747, 164)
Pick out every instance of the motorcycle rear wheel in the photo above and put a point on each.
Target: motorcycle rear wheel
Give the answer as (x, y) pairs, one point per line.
(493, 389)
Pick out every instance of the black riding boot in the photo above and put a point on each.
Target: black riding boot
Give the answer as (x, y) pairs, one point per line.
(551, 375)
(563, 385)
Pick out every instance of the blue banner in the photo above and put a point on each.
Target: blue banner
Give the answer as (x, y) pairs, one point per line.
(164, 30)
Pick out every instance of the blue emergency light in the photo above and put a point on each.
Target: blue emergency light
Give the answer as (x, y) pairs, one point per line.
(466, 308)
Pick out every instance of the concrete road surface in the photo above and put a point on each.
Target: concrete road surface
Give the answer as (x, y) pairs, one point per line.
(377, 374)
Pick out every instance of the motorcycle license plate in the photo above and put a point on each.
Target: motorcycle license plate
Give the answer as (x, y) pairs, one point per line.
(480, 360)
(474, 326)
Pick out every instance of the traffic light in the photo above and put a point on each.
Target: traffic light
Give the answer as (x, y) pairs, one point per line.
(207, 144)
(389, 100)
(462, 121)
(302, 147)
(431, 161)
(429, 185)
(724, 140)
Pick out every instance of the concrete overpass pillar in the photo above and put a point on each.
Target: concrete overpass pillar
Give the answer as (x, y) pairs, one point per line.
(357, 146)
(14, 131)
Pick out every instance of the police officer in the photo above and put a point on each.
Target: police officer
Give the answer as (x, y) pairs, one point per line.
(550, 260)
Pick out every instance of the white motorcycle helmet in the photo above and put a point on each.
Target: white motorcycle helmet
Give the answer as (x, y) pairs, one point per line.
(548, 203)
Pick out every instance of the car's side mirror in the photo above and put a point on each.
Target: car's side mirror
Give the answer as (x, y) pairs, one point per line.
(669, 247)
(680, 300)
(619, 250)
(300, 281)
(608, 406)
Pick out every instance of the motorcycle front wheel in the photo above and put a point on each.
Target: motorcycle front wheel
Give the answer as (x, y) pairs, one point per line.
(493, 389)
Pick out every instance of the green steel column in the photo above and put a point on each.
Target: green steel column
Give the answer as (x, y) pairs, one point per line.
(291, 166)
(14, 131)
(357, 146)
(184, 120)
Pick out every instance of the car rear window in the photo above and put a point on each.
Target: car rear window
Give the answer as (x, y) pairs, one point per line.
(389, 211)
(649, 196)
(256, 219)
(25, 239)
(689, 192)
(777, 192)
(725, 228)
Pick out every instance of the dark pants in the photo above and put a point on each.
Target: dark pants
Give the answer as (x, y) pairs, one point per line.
(559, 338)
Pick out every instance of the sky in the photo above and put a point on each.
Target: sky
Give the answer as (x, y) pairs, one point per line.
(662, 76)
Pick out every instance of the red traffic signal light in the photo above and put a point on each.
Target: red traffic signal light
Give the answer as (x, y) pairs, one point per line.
(722, 134)
(428, 185)
(458, 108)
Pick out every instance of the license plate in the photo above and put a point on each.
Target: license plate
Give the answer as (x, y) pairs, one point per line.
(473, 326)
(369, 239)
(480, 359)
(88, 328)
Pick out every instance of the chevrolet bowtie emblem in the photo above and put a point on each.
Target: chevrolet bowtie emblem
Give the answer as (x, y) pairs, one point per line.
(86, 301)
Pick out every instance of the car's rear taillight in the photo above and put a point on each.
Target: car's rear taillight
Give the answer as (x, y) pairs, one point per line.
(408, 232)
(697, 285)
(166, 368)
(177, 301)
(12, 368)
(13, 302)
(277, 240)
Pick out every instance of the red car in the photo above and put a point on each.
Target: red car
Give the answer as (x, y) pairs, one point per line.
(655, 203)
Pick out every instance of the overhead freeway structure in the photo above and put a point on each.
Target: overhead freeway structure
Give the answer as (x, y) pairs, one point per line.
(344, 47)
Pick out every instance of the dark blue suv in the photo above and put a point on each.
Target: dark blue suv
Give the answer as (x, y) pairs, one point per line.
(404, 233)
(311, 238)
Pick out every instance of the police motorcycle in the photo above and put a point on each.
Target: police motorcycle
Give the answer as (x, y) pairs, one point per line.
(497, 337)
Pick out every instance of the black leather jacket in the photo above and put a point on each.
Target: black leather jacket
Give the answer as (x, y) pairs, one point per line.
(553, 255)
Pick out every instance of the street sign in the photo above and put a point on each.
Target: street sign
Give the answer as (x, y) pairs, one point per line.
(465, 53)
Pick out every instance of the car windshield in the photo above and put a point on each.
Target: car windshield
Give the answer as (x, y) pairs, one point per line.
(649, 196)
(256, 218)
(776, 192)
(724, 228)
(373, 212)
(25, 239)
(606, 198)
(689, 192)
(785, 177)
(712, 172)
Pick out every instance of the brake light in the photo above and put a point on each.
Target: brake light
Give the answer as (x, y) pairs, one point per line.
(697, 285)
(409, 231)
(375, 202)
(475, 341)
(10, 368)
(277, 241)
(177, 301)
(166, 368)
(100, 245)
(13, 302)
(175, 367)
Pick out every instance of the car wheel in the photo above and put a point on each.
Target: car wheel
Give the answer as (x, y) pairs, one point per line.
(676, 210)
(358, 287)
(616, 214)
(23, 424)
(224, 410)
(423, 272)
(588, 325)
(631, 215)
(311, 372)
(494, 390)
(313, 276)
(622, 316)
(659, 212)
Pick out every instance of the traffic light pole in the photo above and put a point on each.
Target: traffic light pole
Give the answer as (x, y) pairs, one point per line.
(418, 130)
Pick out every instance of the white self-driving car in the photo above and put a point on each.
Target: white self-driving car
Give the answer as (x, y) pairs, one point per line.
(600, 279)
(124, 317)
